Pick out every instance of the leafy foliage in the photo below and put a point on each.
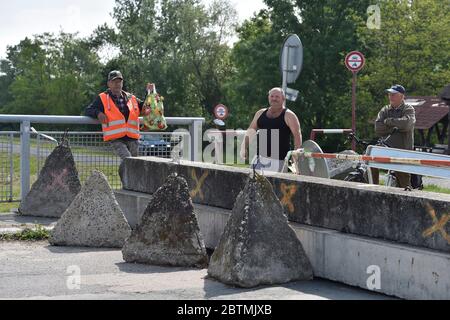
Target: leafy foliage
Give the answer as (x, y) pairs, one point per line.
(181, 47)
(38, 233)
(411, 48)
(50, 75)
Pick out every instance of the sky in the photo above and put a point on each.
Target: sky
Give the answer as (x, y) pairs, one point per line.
(22, 18)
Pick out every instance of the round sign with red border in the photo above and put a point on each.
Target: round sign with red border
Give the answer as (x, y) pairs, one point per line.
(221, 112)
(355, 61)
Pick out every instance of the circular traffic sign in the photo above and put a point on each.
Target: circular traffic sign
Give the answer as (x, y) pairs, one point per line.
(221, 112)
(291, 58)
(355, 61)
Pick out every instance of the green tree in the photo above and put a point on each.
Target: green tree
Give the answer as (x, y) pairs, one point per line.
(50, 75)
(6, 79)
(255, 59)
(27, 71)
(328, 30)
(179, 45)
(411, 47)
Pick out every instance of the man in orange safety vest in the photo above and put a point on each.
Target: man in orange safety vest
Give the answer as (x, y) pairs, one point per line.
(119, 111)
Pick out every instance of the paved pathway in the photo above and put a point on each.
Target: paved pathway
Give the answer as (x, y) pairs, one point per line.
(40, 271)
(443, 183)
(11, 223)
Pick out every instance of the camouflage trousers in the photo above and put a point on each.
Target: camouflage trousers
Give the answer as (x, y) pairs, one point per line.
(125, 148)
(403, 179)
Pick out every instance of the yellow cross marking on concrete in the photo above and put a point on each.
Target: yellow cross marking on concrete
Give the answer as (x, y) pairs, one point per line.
(439, 225)
(288, 193)
(200, 182)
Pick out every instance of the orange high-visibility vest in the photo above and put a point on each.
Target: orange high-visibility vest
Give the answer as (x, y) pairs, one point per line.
(117, 127)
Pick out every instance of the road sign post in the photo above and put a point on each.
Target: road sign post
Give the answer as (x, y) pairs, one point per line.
(354, 61)
(354, 109)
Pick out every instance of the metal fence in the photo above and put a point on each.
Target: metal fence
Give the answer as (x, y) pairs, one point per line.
(23, 154)
(6, 166)
(89, 152)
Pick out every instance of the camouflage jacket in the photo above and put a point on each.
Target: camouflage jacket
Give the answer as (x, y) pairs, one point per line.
(402, 117)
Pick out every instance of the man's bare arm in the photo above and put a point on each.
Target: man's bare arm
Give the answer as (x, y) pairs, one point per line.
(251, 132)
(294, 124)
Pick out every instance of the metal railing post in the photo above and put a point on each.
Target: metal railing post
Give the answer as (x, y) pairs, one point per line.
(11, 168)
(38, 153)
(24, 158)
(196, 133)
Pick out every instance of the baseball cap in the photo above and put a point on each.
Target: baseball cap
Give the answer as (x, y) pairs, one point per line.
(115, 75)
(396, 89)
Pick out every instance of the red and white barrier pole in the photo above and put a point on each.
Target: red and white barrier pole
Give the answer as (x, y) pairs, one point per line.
(351, 157)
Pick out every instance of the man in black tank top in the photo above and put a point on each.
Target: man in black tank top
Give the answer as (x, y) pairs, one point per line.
(275, 126)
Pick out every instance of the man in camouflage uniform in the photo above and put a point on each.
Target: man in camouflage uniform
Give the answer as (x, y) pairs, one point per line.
(397, 115)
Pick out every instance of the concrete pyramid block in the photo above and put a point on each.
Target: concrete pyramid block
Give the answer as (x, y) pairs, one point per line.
(168, 233)
(258, 247)
(94, 218)
(56, 187)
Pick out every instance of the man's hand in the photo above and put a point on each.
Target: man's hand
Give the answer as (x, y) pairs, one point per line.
(244, 154)
(244, 148)
(102, 117)
(388, 121)
(150, 87)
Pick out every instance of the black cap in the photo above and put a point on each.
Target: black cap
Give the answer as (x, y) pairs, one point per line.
(114, 75)
(396, 89)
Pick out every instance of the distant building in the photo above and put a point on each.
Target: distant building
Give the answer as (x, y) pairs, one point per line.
(431, 118)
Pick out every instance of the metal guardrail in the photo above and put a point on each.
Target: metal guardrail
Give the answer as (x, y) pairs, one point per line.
(194, 133)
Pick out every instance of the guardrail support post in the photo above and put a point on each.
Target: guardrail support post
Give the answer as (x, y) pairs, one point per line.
(24, 158)
(196, 134)
(11, 168)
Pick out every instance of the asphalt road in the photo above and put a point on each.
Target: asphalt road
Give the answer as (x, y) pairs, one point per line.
(40, 271)
(427, 181)
(443, 183)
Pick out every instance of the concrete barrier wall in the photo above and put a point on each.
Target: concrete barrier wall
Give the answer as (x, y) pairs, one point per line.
(416, 218)
(404, 271)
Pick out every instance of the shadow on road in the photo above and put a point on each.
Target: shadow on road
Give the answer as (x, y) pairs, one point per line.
(69, 250)
(139, 268)
(318, 287)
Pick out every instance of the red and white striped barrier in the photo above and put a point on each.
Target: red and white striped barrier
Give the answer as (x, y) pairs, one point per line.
(351, 157)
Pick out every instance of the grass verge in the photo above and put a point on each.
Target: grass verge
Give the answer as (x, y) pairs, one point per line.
(6, 207)
(38, 233)
(435, 188)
